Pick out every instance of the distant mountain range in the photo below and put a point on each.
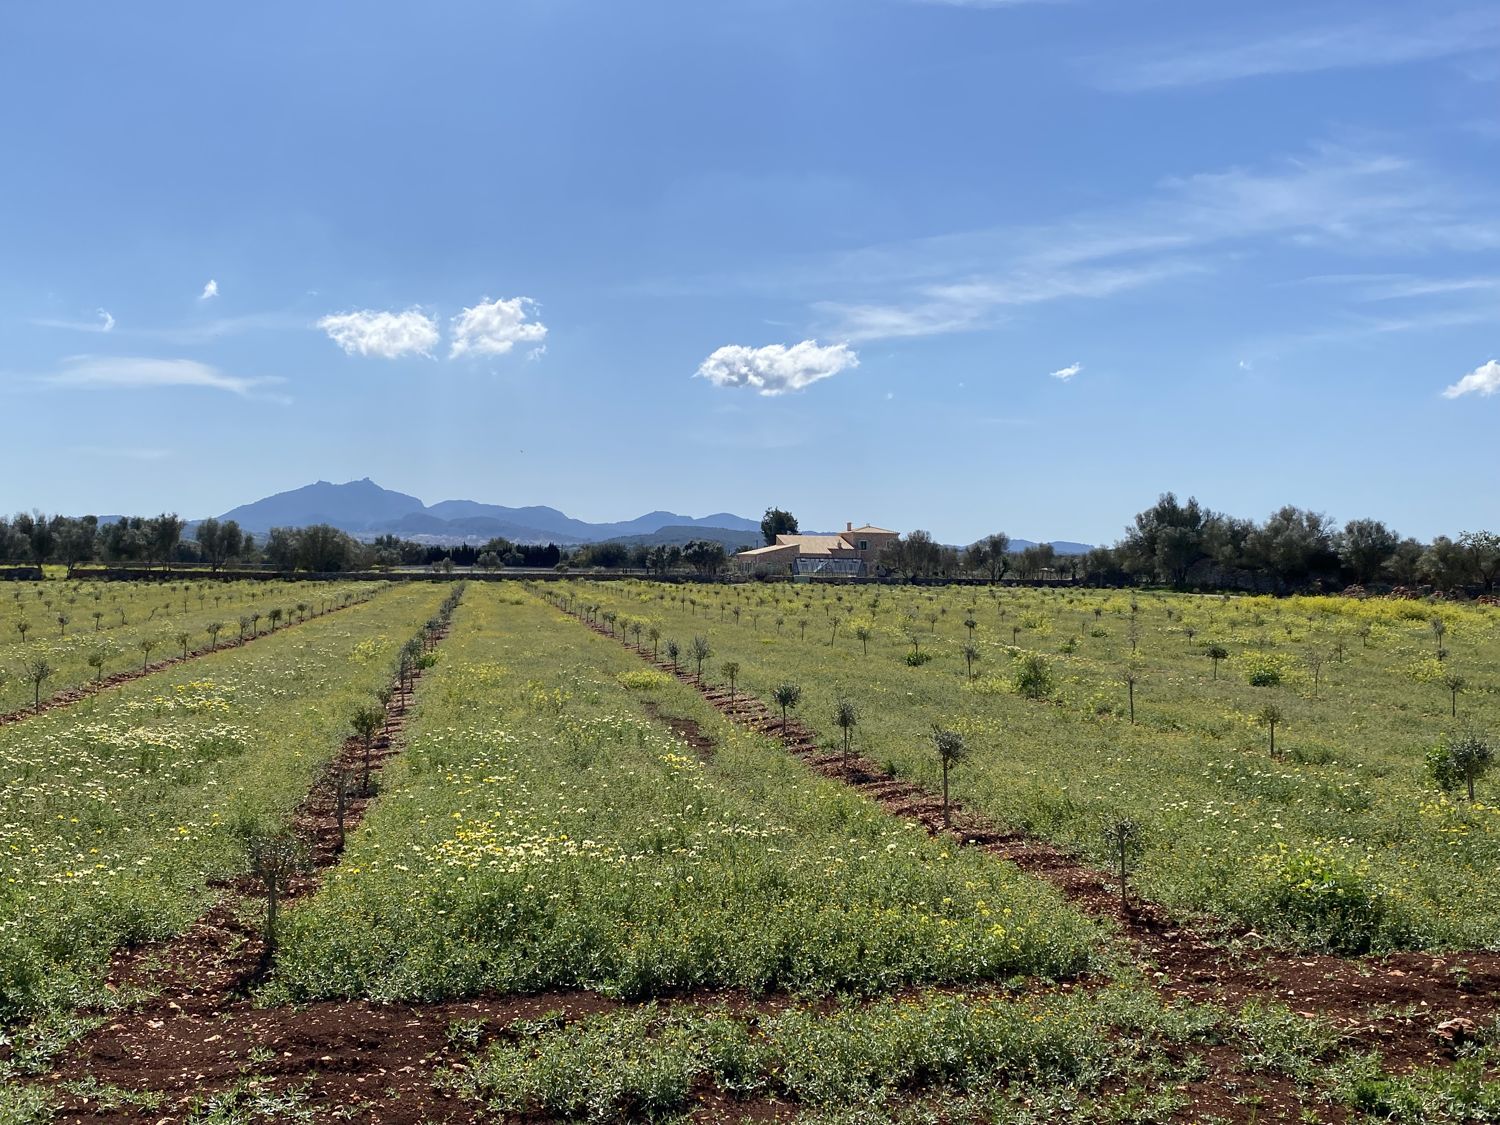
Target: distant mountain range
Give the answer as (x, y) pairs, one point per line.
(365, 510)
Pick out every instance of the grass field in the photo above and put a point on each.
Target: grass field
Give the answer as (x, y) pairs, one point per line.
(543, 832)
(1341, 840)
(115, 813)
(88, 630)
(581, 891)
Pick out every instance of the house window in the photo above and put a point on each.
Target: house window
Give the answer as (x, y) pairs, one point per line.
(864, 544)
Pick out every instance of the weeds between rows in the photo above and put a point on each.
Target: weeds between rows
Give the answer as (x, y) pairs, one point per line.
(61, 640)
(1344, 840)
(119, 812)
(542, 833)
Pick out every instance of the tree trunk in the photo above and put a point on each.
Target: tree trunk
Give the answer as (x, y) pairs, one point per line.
(946, 821)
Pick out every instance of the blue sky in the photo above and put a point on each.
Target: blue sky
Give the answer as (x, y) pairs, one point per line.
(959, 265)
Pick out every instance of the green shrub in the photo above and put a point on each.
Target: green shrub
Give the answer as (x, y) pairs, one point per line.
(1263, 669)
(1033, 676)
(1324, 898)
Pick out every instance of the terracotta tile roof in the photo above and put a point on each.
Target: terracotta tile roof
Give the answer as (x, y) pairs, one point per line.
(813, 544)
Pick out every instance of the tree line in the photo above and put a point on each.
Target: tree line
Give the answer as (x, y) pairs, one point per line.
(1189, 546)
(1180, 544)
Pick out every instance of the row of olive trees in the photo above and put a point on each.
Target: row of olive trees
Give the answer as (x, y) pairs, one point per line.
(38, 670)
(275, 857)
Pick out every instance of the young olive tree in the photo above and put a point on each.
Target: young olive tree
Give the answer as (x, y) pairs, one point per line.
(366, 723)
(1455, 684)
(1125, 843)
(146, 644)
(731, 673)
(182, 639)
(1315, 666)
(674, 650)
(863, 633)
(1216, 653)
(274, 859)
(213, 630)
(971, 656)
(38, 672)
(846, 718)
(950, 749)
(700, 651)
(1269, 716)
(1461, 761)
(787, 696)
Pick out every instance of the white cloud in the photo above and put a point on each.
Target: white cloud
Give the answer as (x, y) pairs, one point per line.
(495, 327)
(210, 290)
(1484, 380)
(536, 353)
(105, 323)
(1329, 47)
(385, 334)
(132, 373)
(776, 368)
(1246, 365)
(1066, 373)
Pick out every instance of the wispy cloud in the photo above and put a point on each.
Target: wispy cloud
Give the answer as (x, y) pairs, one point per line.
(144, 373)
(210, 291)
(105, 323)
(1483, 380)
(495, 327)
(776, 369)
(385, 334)
(1416, 35)
(1066, 373)
(1329, 200)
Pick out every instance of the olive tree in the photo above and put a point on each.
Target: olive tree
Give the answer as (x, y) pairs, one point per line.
(145, 644)
(274, 859)
(1269, 716)
(674, 650)
(1216, 653)
(366, 722)
(700, 651)
(846, 718)
(38, 672)
(1455, 684)
(732, 673)
(1126, 843)
(1461, 761)
(787, 696)
(950, 749)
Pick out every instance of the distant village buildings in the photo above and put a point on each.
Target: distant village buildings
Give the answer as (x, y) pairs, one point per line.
(852, 553)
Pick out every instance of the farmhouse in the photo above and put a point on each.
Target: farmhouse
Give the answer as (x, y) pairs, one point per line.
(852, 553)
